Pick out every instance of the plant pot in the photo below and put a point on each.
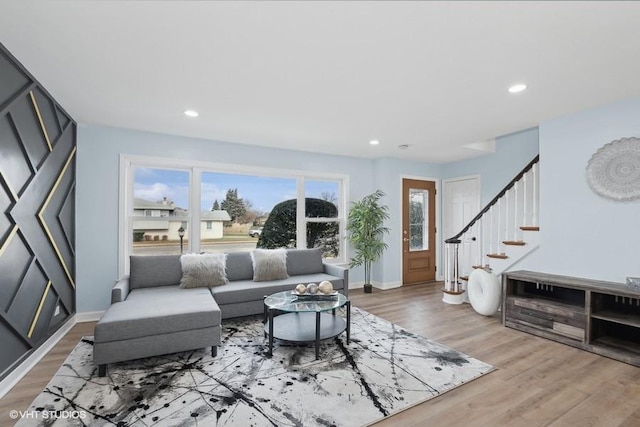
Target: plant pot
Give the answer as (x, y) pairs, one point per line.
(367, 288)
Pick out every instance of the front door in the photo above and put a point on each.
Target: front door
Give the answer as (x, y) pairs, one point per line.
(418, 231)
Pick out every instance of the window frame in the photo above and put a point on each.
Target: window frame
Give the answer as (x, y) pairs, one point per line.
(340, 219)
(128, 163)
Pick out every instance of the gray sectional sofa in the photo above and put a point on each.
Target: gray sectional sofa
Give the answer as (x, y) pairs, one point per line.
(151, 315)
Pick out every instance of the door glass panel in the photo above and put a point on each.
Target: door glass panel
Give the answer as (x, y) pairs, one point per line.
(418, 208)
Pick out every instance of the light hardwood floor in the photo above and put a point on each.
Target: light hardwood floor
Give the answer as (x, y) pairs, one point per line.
(537, 382)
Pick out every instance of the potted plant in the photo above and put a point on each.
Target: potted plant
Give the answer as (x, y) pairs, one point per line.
(366, 229)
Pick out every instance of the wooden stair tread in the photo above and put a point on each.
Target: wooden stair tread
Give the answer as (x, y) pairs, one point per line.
(514, 242)
(452, 292)
(477, 266)
(465, 278)
(530, 228)
(498, 256)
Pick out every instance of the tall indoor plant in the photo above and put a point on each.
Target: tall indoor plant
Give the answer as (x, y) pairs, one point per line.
(366, 229)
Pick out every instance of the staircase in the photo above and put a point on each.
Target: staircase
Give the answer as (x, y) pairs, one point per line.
(504, 232)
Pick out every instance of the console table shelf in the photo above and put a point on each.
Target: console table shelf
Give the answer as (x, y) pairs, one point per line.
(600, 317)
(621, 318)
(618, 345)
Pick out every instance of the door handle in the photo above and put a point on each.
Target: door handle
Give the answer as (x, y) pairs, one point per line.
(406, 239)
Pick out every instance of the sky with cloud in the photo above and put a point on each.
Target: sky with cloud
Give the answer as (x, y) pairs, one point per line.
(261, 191)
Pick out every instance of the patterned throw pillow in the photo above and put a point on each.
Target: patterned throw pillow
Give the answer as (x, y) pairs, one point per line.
(269, 264)
(203, 270)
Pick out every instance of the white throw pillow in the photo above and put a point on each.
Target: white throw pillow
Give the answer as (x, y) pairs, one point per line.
(203, 270)
(269, 264)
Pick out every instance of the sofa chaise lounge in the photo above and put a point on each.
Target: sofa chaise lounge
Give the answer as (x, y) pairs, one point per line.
(151, 315)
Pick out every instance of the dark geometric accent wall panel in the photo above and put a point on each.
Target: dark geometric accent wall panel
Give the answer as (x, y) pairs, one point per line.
(37, 214)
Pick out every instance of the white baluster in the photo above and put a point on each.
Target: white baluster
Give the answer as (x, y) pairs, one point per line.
(447, 268)
(462, 254)
(456, 267)
(467, 252)
(506, 216)
(515, 211)
(524, 198)
(491, 230)
(535, 195)
(456, 272)
(499, 243)
(479, 246)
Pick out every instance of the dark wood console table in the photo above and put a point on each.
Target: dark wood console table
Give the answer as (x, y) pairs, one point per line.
(600, 317)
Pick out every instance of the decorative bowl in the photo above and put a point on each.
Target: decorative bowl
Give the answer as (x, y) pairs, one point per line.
(634, 283)
(318, 296)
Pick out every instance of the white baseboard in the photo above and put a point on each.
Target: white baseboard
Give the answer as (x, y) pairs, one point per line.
(387, 285)
(356, 285)
(23, 369)
(89, 316)
(377, 285)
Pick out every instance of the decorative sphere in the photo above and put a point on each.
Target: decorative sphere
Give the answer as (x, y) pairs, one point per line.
(301, 289)
(325, 287)
(312, 288)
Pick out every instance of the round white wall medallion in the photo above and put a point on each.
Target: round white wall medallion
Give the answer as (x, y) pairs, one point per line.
(614, 170)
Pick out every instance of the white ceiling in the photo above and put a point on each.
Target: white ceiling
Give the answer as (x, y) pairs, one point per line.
(328, 76)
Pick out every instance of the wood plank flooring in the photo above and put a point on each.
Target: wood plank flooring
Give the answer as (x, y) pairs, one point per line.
(537, 382)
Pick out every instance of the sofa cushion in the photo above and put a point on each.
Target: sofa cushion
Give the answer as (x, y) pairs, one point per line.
(239, 266)
(269, 264)
(153, 311)
(154, 270)
(248, 290)
(304, 261)
(203, 270)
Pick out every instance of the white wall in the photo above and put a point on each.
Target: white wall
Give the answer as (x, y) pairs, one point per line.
(388, 178)
(583, 234)
(513, 153)
(99, 149)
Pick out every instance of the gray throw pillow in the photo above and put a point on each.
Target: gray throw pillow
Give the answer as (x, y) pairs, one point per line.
(203, 270)
(269, 264)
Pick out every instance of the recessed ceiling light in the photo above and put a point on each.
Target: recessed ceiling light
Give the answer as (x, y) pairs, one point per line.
(517, 88)
(191, 113)
(374, 142)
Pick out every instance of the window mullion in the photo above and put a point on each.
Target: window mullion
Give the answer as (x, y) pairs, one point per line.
(342, 214)
(196, 224)
(301, 223)
(126, 222)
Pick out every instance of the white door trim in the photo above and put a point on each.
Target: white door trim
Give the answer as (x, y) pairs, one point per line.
(437, 181)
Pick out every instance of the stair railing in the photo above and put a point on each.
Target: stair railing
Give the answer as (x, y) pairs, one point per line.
(494, 225)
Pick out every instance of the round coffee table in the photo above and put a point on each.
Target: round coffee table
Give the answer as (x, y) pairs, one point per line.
(306, 319)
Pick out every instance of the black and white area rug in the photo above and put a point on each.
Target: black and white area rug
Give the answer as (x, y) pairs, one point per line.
(384, 369)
